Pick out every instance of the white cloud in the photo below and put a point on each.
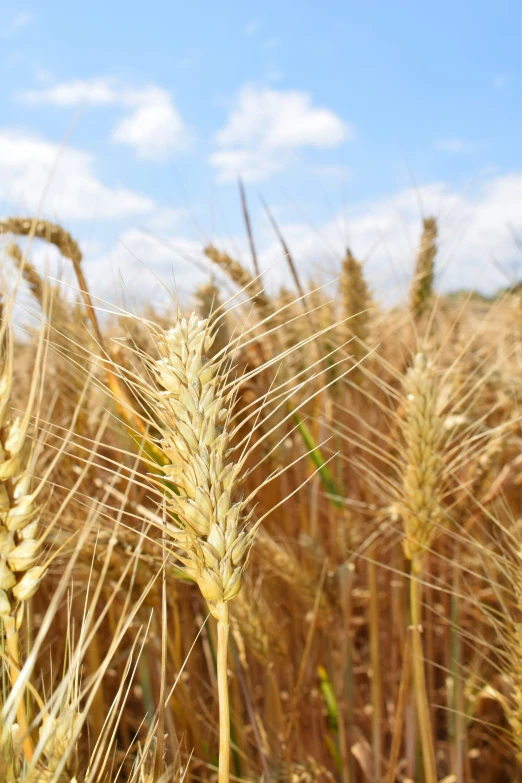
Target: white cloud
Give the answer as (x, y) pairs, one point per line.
(164, 219)
(281, 118)
(154, 128)
(74, 191)
(251, 165)
(265, 125)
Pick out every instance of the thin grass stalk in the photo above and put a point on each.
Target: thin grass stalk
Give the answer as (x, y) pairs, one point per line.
(246, 216)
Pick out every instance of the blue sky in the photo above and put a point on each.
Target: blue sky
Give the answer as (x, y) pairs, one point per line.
(352, 119)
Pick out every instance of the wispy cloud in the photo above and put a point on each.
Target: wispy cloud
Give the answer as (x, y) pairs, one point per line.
(500, 81)
(459, 146)
(450, 145)
(73, 193)
(252, 27)
(97, 92)
(18, 22)
(22, 19)
(332, 171)
(266, 125)
(153, 127)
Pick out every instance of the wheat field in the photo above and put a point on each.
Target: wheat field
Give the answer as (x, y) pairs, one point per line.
(270, 537)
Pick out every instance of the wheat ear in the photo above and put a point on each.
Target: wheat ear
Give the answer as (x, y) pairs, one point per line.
(422, 284)
(356, 300)
(19, 541)
(43, 229)
(241, 277)
(421, 513)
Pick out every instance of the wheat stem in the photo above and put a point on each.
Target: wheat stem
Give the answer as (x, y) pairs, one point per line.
(419, 679)
(13, 649)
(222, 678)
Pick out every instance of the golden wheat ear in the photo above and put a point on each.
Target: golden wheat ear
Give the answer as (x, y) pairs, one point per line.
(357, 303)
(242, 278)
(421, 290)
(43, 229)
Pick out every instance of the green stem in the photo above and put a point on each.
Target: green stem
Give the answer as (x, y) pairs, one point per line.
(419, 679)
(224, 710)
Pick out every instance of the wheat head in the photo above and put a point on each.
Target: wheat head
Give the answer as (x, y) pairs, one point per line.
(193, 415)
(43, 229)
(422, 284)
(356, 300)
(424, 465)
(19, 542)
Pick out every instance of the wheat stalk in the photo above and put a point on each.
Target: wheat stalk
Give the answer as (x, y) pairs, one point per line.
(421, 514)
(206, 521)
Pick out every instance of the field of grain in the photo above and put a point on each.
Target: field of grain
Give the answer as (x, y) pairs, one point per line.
(274, 537)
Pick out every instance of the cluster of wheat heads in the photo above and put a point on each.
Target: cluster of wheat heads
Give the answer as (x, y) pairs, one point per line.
(276, 538)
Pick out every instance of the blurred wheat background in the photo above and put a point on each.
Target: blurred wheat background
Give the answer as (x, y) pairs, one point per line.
(375, 635)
